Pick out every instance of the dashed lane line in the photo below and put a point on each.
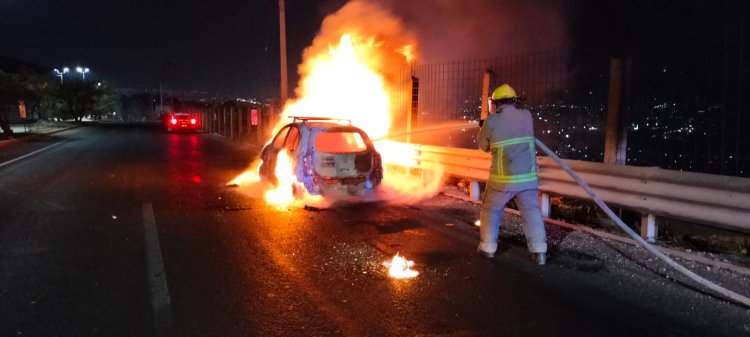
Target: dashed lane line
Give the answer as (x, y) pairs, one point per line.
(157, 278)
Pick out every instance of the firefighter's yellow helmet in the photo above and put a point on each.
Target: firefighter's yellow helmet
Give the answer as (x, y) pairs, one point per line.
(503, 92)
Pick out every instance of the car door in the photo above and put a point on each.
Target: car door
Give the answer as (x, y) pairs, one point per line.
(271, 152)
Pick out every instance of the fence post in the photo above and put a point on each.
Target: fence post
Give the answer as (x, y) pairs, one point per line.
(487, 81)
(474, 191)
(411, 120)
(223, 121)
(648, 227)
(545, 205)
(259, 128)
(232, 122)
(245, 123)
(614, 153)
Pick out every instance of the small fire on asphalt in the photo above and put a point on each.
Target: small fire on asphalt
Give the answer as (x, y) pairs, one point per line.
(400, 268)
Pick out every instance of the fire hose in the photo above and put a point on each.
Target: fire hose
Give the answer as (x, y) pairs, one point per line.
(726, 293)
(693, 276)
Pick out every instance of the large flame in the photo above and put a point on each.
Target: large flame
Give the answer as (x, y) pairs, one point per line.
(351, 72)
(342, 85)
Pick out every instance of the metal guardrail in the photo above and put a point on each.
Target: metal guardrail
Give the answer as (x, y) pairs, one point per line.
(720, 201)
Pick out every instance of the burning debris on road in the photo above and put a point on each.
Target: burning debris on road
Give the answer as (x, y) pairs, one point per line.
(400, 267)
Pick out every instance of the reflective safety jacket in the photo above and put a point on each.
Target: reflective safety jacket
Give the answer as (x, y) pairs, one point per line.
(509, 136)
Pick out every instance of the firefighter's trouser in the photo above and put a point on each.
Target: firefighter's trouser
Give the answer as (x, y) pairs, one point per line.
(493, 206)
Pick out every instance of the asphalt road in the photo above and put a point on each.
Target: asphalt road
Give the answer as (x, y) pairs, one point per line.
(122, 230)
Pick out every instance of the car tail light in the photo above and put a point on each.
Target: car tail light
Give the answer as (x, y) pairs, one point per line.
(308, 164)
(174, 120)
(192, 121)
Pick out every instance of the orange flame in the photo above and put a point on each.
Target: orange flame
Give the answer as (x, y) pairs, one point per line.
(342, 85)
(250, 176)
(408, 52)
(400, 268)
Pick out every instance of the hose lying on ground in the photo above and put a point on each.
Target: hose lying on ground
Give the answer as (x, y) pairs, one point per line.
(695, 277)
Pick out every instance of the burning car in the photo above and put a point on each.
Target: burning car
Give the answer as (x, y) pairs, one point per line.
(327, 157)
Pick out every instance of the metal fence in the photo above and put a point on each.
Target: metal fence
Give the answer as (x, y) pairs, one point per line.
(683, 111)
(244, 122)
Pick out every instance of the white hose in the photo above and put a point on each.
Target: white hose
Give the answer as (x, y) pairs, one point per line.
(695, 277)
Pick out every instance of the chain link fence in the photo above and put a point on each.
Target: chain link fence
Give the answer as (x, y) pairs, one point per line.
(682, 111)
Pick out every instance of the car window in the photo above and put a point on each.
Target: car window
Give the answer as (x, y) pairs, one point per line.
(292, 140)
(339, 142)
(278, 142)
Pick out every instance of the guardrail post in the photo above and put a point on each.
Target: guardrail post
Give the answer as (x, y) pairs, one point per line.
(648, 227)
(545, 205)
(474, 191)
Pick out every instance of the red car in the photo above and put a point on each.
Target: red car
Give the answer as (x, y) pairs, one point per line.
(181, 121)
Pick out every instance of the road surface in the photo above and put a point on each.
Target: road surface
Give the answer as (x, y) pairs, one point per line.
(122, 230)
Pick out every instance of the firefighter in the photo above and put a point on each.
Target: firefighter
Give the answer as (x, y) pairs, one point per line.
(509, 135)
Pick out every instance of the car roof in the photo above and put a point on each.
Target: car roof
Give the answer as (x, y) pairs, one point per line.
(328, 125)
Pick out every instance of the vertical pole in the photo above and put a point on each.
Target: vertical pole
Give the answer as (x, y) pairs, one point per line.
(414, 108)
(545, 205)
(224, 121)
(648, 227)
(739, 102)
(282, 52)
(624, 120)
(474, 190)
(487, 83)
(613, 111)
(259, 127)
(161, 100)
(232, 114)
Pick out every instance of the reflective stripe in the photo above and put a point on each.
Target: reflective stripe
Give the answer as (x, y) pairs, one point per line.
(499, 148)
(521, 178)
(512, 141)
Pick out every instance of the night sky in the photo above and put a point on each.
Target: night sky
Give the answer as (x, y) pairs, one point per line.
(220, 46)
(231, 46)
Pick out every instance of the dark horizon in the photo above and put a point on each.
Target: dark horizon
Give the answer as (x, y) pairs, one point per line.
(232, 48)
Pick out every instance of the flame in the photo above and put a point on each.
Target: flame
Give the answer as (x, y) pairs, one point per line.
(282, 195)
(408, 52)
(288, 191)
(342, 85)
(250, 176)
(350, 73)
(400, 268)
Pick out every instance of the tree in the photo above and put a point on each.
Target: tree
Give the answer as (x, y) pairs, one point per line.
(79, 98)
(12, 89)
(105, 100)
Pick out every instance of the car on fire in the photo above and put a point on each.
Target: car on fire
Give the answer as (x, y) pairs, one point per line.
(181, 122)
(327, 156)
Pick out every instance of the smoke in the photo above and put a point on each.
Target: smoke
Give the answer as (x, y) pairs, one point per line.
(453, 30)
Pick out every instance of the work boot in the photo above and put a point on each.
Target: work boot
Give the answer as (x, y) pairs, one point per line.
(539, 258)
(485, 254)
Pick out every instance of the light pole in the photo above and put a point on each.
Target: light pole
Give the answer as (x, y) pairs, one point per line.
(61, 73)
(83, 72)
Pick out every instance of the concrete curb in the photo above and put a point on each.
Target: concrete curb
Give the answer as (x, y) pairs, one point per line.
(669, 251)
(14, 141)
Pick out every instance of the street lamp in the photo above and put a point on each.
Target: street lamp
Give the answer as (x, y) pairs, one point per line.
(61, 73)
(83, 72)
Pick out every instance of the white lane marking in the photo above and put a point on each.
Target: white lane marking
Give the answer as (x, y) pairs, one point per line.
(157, 278)
(29, 154)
